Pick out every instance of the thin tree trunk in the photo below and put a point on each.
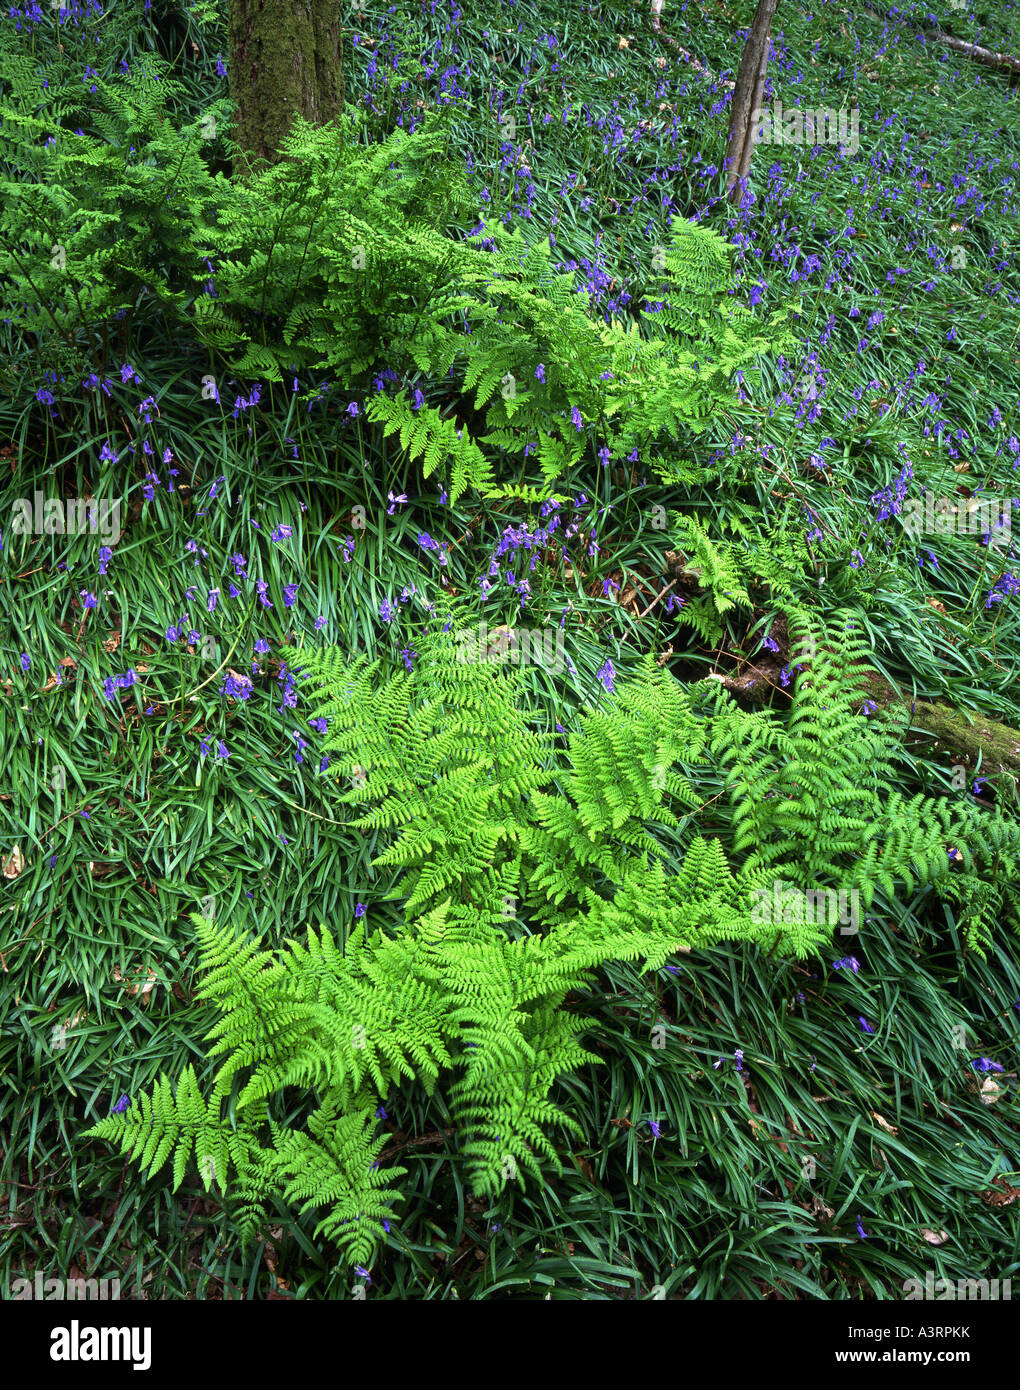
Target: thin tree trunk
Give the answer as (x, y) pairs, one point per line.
(285, 61)
(747, 96)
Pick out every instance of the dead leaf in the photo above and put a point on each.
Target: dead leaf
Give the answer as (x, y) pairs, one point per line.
(1000, 1194)
(934, 1237)
(889, 1129)
(990, 1091)
(145, 987)
(819, 1208)
(14, 863)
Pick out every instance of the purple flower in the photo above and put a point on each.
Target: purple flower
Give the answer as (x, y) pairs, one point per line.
(540, 372)
(26, 661)
(848, 963)
(236, 687)
(289, 594)
(865, 1025)
(281, 533)
(114, 683)
(985, 1064)
(359, 910)
(656, 1127)
(121, 1106)
(860, 1229)
(87, 600)
(607, 676)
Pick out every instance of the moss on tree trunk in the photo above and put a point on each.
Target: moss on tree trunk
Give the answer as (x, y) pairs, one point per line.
(962, 734)
(284, 61)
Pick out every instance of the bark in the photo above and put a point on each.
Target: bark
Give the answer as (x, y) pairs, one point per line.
(747, 96)
(285, 61)
(1002, 62)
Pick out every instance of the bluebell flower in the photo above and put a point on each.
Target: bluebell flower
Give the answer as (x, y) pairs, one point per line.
(985, 1064)
(606, 675)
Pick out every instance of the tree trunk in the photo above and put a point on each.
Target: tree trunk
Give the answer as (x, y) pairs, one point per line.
(285, 61)
(747, 96)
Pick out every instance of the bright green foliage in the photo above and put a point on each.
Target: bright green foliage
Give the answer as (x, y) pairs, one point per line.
(721, 335)
(335, 259)
(522, 867)
(716, 568)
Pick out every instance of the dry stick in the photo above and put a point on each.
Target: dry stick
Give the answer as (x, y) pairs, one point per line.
(1002, 62)
(657, 29)
(655, 600)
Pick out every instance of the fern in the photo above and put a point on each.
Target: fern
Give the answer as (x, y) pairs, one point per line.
(672, 820)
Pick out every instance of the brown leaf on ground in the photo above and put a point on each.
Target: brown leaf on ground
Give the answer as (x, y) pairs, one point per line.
(1000, 1194)
(14, 863)
(934, 1237)
(145, 986)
